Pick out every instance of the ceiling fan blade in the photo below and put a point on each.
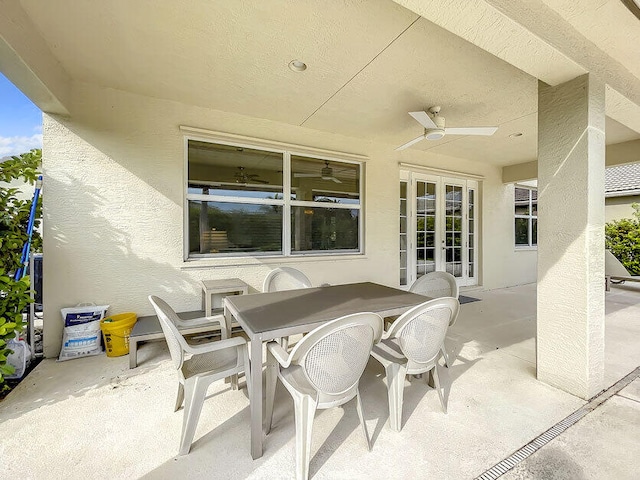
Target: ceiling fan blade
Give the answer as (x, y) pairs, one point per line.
(335, 180)
(470, 130)
(423, 119)
(408, 144)
(306, 175)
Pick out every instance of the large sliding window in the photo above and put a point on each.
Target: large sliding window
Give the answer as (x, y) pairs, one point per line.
(253, 201)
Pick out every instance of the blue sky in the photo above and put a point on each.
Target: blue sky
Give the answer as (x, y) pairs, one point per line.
(20, 121)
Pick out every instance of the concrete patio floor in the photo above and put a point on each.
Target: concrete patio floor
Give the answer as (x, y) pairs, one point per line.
(95, 418)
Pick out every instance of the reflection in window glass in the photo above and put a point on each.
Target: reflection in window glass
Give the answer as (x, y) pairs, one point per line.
(215, 169)
(522, 231)
(318, 228)
(314, 179)
(236, 197)
(220, 227)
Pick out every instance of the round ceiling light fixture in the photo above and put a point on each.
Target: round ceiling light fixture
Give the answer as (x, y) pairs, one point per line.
(517, 134)
(297, 66)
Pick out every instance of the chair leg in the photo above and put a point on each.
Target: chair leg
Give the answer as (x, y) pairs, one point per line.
(362, 422)
(305, 410)
(194, 392)
(180, 397)
(395, 389)
(271, 380)
(440, 391)
(445, 355)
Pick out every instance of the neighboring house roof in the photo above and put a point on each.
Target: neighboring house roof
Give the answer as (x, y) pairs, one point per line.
(622, 180)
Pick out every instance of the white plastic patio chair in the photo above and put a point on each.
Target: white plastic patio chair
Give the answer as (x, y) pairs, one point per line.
(208, 363)
(438, 285)
(322, 371)
(285, 278)
(411, 347)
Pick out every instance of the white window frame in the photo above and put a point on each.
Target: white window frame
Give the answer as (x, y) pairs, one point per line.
(530, 217)
(286, 202)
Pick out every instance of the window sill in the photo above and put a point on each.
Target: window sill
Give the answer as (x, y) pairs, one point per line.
(526, 249)
(226, 262)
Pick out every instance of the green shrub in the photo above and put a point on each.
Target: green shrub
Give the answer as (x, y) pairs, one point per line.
(14, 217)
(622, 237)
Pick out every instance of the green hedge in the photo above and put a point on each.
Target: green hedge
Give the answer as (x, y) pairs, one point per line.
(622, 237)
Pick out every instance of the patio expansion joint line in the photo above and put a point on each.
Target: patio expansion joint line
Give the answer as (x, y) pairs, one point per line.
(541, 440)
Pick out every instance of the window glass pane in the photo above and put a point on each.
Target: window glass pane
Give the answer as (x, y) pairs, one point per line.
(534, 208)
(318, 180)
(219, 227)
(522, 231)
(233, 171)
(522, 201)
(534, 233)
(318, 229)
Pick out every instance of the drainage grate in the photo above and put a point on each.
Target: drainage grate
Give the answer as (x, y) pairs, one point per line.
(540, 441)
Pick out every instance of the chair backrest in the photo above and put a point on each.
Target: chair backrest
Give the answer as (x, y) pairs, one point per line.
(420, 332)
(436, 285)
(334, 355)
(613, 266)
(167, 317)
(285, 278)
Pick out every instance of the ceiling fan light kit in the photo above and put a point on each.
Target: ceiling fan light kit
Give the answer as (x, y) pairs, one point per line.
(435, 129)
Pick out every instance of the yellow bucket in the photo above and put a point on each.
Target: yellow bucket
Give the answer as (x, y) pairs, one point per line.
(116, 330)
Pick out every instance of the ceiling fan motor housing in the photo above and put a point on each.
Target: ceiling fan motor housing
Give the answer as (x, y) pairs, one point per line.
(435, 133)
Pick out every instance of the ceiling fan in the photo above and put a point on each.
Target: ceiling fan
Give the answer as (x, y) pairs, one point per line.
(325, 174)
(434, 127)
(242, 176)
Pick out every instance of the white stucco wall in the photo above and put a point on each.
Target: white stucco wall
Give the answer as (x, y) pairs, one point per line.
(113, 210)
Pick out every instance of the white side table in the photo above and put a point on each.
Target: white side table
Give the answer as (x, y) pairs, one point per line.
(214, 292)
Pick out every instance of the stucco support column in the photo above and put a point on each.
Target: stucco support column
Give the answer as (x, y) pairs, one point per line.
(571, 162)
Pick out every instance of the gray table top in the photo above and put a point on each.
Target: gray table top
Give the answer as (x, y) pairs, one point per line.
(297, 309)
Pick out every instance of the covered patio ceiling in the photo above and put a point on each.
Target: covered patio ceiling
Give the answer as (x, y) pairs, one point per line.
(369, 63)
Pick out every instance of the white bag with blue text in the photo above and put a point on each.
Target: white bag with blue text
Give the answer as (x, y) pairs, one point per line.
(82, 336)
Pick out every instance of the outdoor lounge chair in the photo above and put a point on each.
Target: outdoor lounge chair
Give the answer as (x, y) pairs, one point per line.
(437, 285)
(615, 272)
(411, 347)
(208, 363)
(322, 371)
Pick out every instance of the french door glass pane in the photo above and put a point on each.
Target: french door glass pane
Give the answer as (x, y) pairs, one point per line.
(403, 233)
(453, 229)
(425, 227)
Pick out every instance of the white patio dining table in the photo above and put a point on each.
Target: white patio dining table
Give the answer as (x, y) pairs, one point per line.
(267, 316)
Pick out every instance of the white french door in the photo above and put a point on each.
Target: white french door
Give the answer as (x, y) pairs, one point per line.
(437, 227)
